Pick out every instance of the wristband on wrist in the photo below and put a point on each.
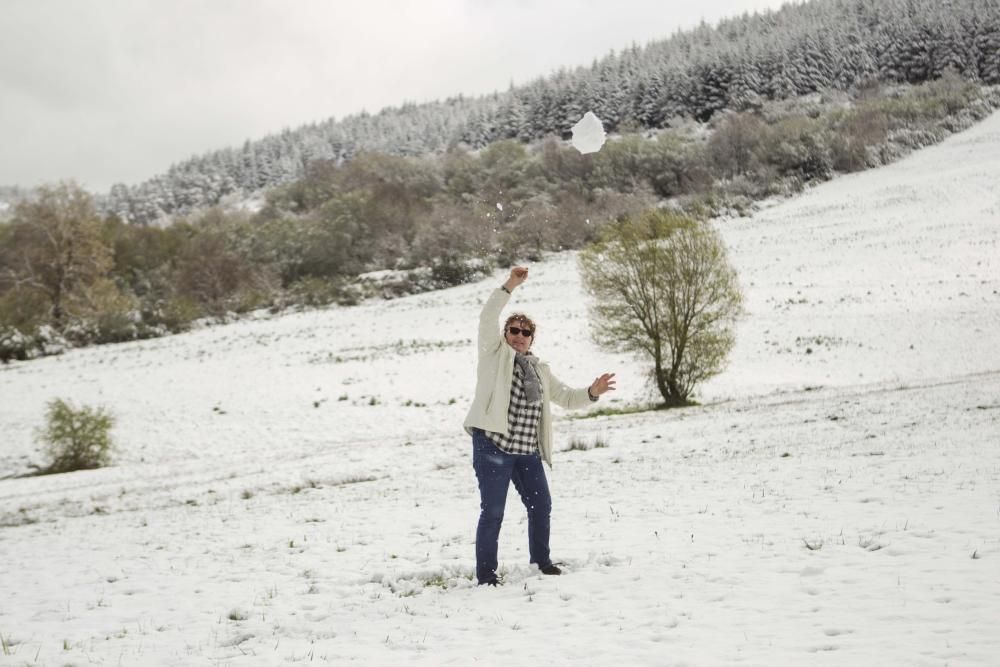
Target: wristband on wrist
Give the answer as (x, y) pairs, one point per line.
(504, 288)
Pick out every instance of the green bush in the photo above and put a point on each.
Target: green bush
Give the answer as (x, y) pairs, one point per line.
(22, 312)
(853, 133)
(314, 291)
(14, 344)
(797, 146)
(449, 272)
(735, 145)
(102, 313)
(76, 439)
(179, 312)
(946, 96)
(24, 309)
(677, 166)
(578, 444)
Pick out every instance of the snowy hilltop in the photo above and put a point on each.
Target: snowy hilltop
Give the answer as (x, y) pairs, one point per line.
(808, 47)
(299, 489)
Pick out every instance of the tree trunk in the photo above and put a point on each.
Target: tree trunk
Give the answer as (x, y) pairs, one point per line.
(667, 384)
(57, 309)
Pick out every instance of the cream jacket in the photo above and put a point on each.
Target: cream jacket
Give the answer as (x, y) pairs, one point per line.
(495, 372)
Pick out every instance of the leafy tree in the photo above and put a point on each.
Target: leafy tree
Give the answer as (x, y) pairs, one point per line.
(461, 174)
(56, 246)
(103, 313)
(855, 130)
(618, 166)
(663, 287)
(212, 272)
(504, 165)
(393, 191)
(448, 235)
(675, 166)
(565, 169)
(735, 144)
(796, 146)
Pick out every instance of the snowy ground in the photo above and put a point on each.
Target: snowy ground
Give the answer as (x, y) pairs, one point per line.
(299, 489)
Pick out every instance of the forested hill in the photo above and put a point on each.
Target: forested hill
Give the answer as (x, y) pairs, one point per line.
(817, 45)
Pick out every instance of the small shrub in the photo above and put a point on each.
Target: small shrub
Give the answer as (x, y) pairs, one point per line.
(853, 132)
(450, 271)
(179, 312)
(581, 445)
(733, 148)
(15, 345)
(813, 545)
(238, 615)
(916, 138)
(104, 313)
(76, 439)
(797, 146)
(947, 95)
(22, 313)
(253, 297)
(317, 291)
(392, 284)
(869, 542)
(24, 309)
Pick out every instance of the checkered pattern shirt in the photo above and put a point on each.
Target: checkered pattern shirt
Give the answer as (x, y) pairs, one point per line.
(522, 421)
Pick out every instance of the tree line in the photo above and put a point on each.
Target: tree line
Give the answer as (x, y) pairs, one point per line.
(386, 225)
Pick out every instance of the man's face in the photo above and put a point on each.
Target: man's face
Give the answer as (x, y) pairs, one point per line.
(519, 335)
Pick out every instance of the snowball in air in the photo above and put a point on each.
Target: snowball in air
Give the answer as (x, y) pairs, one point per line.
(588, 134)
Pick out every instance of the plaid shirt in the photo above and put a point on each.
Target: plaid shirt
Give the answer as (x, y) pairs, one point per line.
(522, 421)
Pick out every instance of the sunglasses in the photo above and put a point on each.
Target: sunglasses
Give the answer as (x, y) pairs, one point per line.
(514, 331)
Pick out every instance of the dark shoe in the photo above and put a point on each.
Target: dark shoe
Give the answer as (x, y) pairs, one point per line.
(491, 582)
(551, 568)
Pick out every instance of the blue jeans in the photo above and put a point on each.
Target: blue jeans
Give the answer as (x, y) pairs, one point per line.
(494, 470)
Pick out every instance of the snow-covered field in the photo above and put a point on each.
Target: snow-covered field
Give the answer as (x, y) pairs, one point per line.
(299, 489)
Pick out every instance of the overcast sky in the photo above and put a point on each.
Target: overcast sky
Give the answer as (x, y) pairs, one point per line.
(103, 91)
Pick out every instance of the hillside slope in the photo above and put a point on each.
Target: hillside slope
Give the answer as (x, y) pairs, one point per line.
(299, 487)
